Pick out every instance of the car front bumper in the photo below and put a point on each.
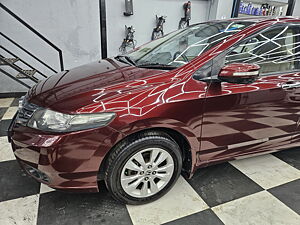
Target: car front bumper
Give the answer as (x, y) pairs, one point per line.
(69, 161)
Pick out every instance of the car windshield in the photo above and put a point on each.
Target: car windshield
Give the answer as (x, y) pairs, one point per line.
(181, 46)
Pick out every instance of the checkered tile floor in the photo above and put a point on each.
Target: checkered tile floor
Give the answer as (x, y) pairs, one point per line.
(258, 191)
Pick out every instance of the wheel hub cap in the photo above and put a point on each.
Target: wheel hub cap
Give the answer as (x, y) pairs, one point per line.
(147, 172)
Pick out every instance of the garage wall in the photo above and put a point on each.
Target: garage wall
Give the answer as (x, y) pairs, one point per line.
(224, 9)
(72, 25)
(297, 8)
(143, 19)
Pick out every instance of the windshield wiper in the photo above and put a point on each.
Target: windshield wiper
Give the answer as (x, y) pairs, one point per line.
(125, 59)
(155, 64)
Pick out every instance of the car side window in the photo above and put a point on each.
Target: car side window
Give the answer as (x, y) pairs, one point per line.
(275, 50)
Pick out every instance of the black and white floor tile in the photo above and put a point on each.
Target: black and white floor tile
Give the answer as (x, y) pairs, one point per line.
(263, 190)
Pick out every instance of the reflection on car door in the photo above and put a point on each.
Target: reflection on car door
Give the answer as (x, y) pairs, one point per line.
(262, 116)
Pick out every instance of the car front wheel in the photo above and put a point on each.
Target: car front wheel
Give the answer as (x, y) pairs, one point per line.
(143, 168)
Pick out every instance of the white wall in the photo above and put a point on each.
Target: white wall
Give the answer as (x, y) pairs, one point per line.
(72, 25)
(224, 9)
(297, 8)
(143, 19)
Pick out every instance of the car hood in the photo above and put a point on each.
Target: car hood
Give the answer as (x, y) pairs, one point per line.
(70, 90)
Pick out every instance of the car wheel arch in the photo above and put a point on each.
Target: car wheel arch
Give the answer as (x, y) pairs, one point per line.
(189, 156)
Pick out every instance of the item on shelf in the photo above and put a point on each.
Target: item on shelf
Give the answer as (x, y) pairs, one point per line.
(241, 9)
(185, 21)
(260, 9)
(128, 41)
(158, 31)
(257, 11)
(249, 7)
(128, 8)
(273, 10)
(280, 11)
(265, 10)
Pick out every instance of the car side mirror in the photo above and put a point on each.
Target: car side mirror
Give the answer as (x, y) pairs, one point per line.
(239, 73)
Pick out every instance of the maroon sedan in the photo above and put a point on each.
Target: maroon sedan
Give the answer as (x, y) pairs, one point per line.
(212, 92)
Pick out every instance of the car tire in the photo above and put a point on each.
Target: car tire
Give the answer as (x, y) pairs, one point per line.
(143, 167)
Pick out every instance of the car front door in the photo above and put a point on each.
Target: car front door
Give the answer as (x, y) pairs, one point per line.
(262, 116)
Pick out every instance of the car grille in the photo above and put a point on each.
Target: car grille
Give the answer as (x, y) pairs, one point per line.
(25, 112)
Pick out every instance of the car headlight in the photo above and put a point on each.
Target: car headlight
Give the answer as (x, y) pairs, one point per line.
(48, 120)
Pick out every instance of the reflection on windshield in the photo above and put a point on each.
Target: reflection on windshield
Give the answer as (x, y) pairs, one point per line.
(180, 47)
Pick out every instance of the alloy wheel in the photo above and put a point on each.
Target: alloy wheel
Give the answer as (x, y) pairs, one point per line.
(147, 172)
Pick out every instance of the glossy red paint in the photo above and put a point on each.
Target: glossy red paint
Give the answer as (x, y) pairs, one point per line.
(236, 119)
(202, 112)
(231, 69)
(71, 161)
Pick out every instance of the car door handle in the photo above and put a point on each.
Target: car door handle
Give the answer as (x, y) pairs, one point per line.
(291, 85)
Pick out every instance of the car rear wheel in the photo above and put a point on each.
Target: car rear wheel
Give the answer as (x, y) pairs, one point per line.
(143, 168)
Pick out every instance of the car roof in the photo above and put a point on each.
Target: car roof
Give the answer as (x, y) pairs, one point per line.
(257, 19)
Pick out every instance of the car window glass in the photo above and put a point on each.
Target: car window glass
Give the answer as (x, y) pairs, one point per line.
(179, 48)
(274, 50)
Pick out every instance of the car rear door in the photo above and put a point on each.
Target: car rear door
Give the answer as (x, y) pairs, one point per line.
(262, 116)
